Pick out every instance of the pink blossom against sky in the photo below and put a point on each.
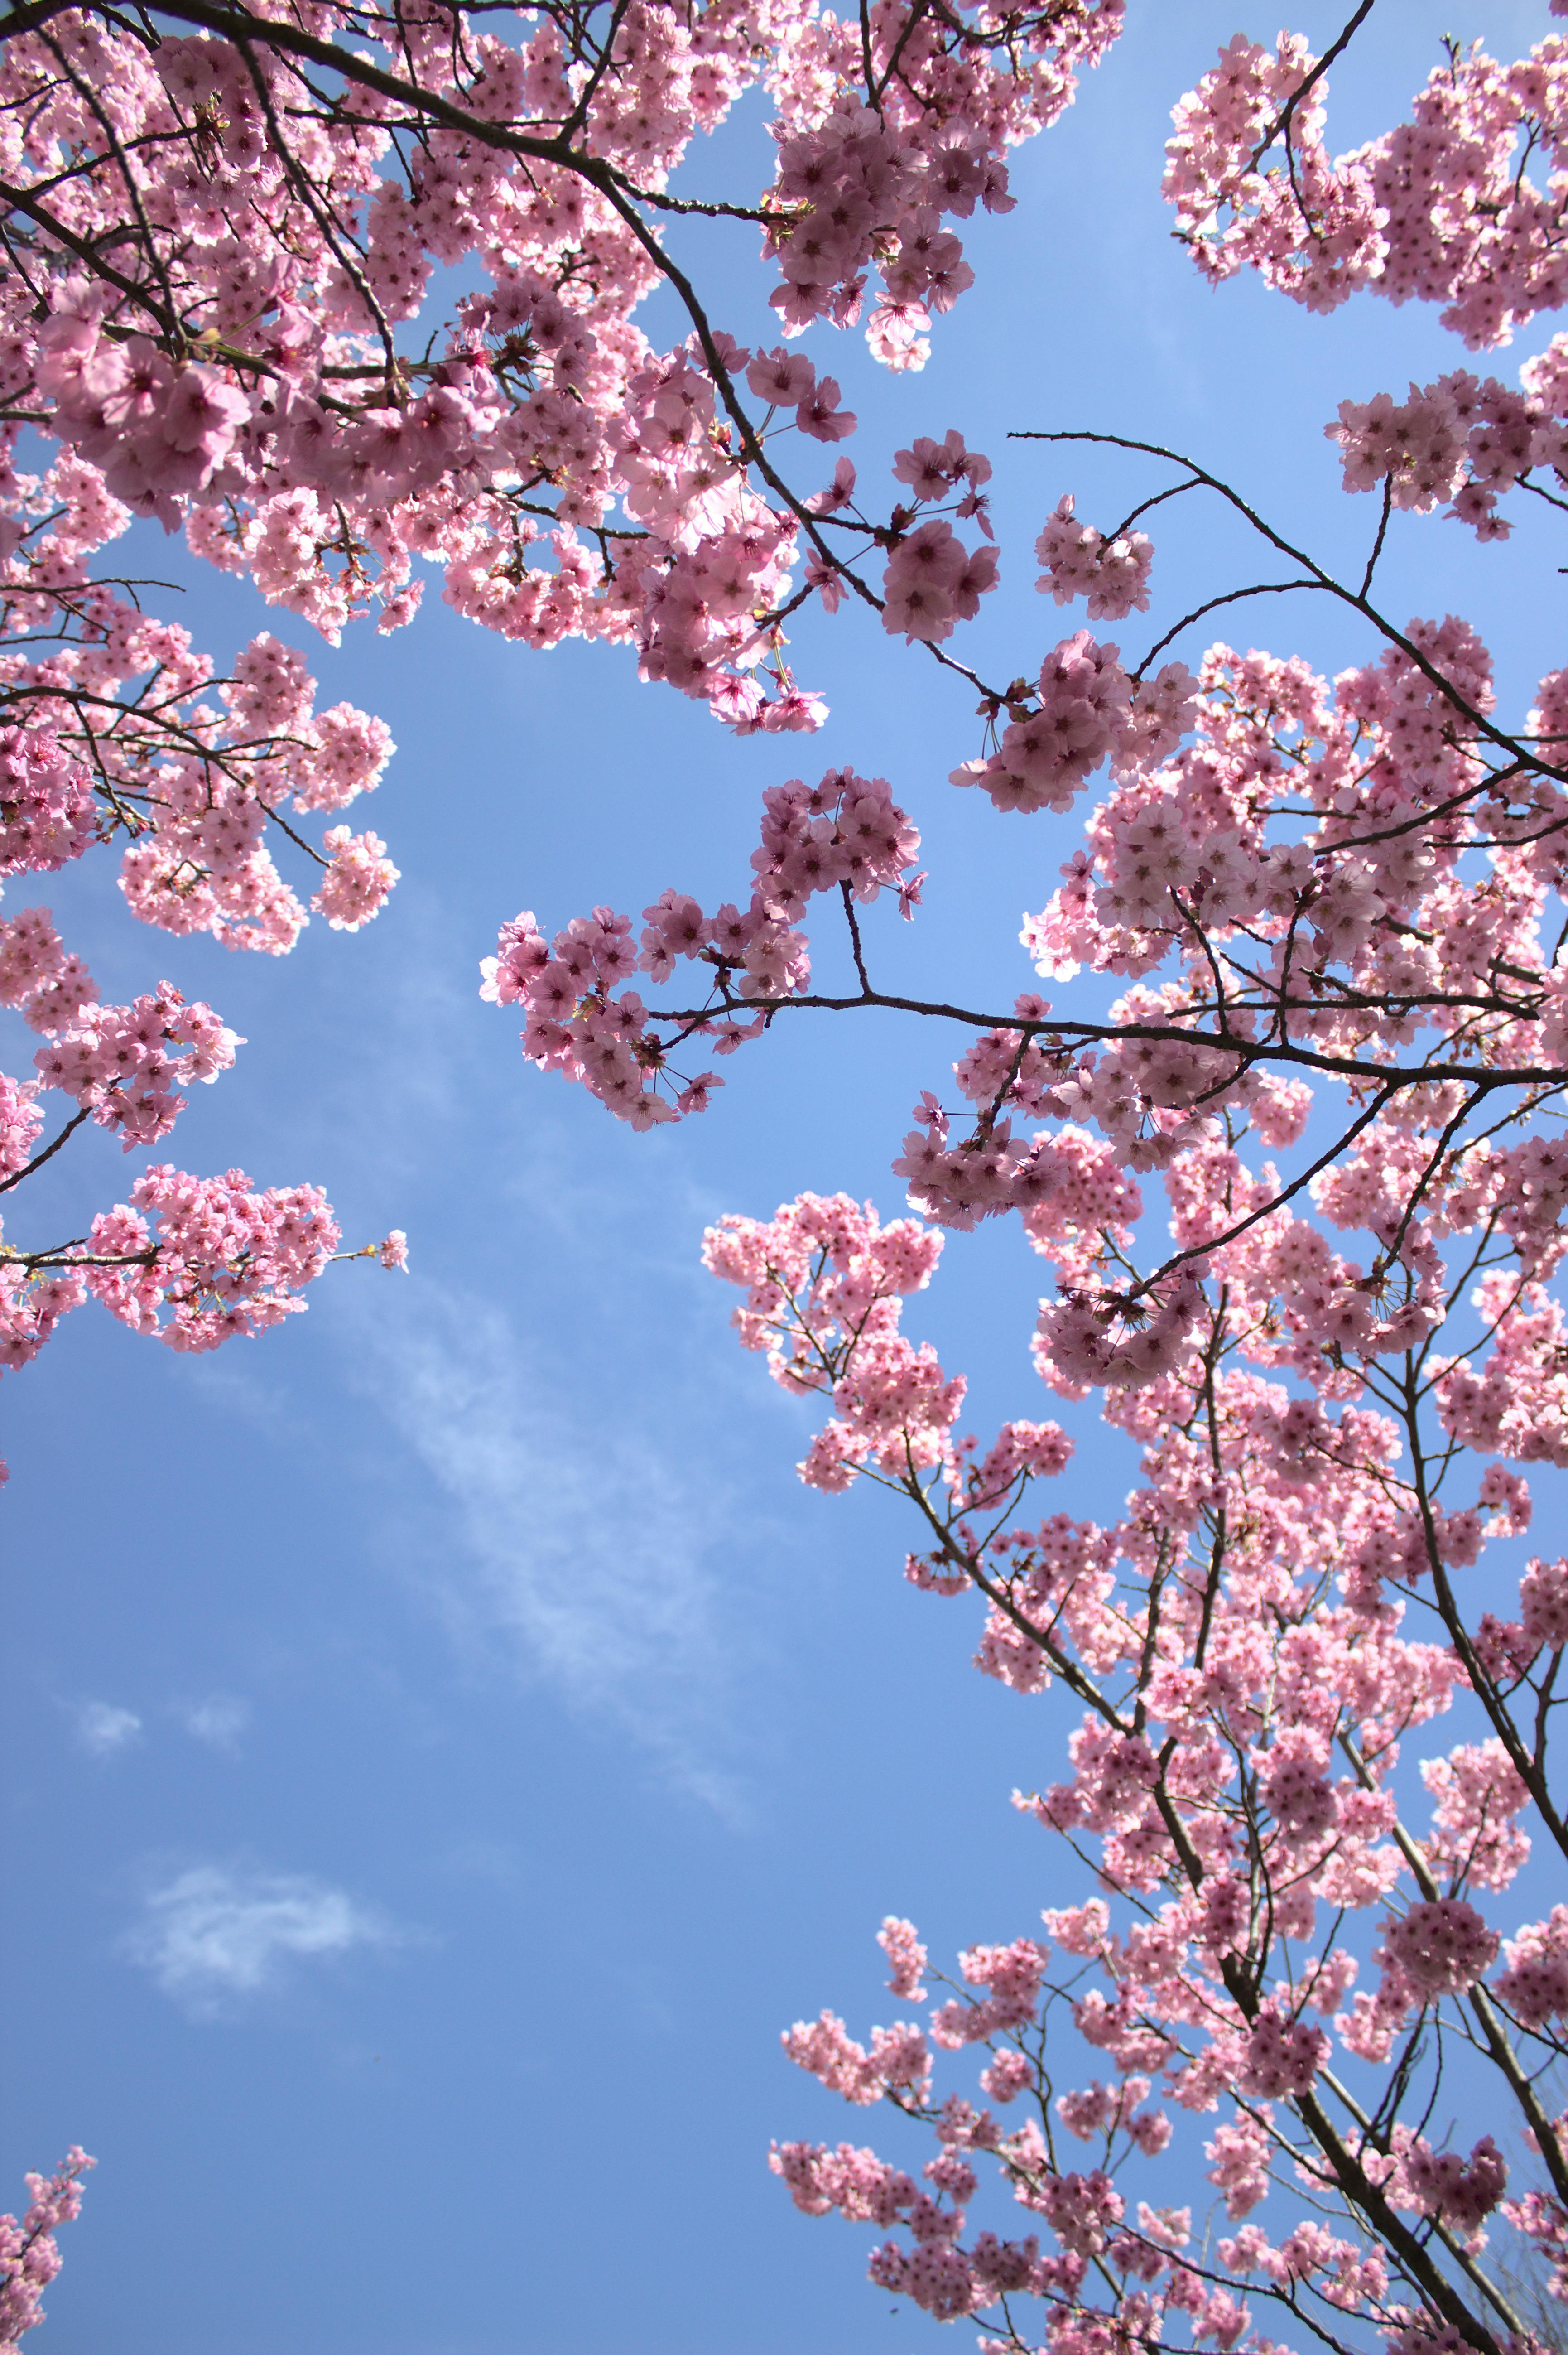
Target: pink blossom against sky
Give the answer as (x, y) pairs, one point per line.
(448, 1735)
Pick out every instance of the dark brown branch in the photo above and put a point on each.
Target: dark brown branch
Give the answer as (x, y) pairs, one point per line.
(48, 1152)
(1324, 580)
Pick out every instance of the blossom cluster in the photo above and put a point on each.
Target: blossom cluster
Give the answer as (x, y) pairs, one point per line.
(932, 580)
(115, 1061)
(1083, 711)
(825, 1286)
(121, 1064)
(128, 738)
(1463, 440)
(1252, 1688)
(192, 1261)
(1080, 561)
(224, 1258)
(1440, 210)
(845, 835)
(29, 2255)
(47, 813)
(566, 476)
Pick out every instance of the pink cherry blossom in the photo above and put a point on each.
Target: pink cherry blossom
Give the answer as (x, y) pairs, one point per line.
(1442, 1945)
(357, 881)
(1080, 562)
(1289, 1155)
(29, 2256)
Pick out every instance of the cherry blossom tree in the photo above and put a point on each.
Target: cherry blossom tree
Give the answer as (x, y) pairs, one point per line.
(219, 238)
(219, 233)
(1301, 1189)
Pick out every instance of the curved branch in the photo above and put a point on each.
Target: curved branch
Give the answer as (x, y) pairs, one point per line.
(1357, 602)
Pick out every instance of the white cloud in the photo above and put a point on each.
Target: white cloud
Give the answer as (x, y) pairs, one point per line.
(216, 1932)
(581, 1543)
(103, 1729)
(219, 1720)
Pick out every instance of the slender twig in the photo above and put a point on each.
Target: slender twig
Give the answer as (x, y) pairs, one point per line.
(48, 1152)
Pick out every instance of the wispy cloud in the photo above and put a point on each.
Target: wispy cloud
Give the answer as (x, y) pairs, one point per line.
(219, 1720)
(581, 1542)
(103, 1729)
(216, 1932)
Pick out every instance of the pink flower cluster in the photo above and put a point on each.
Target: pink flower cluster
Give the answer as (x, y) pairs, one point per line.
(47, 813)
(1094, 1334)
(1441, 209)
(1534, 1985)
(933, 580)
(718, 557)
(1464, 440)
(224, 1260)
(1544, 2221)
(20, 1124)
(1459, 2191)
(157, 431)
(47, 985)
(190, 785)
(1079, 561)
(1442, 1945)
(788, 380)
(122, 1063)
(898, 2057)
(826, 1284)
(1083, 711)
(866, 185)
(1313, 233)
(356, 883)
(29, 2256)
(116, 1060)
(899, 1943)
(845, 835)
(567, 478)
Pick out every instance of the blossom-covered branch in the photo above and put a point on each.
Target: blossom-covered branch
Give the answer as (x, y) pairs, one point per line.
(221, 234)
(1335, 911)
(29, 2255)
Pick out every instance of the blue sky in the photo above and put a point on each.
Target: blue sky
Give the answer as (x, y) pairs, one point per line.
(443, 1744)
